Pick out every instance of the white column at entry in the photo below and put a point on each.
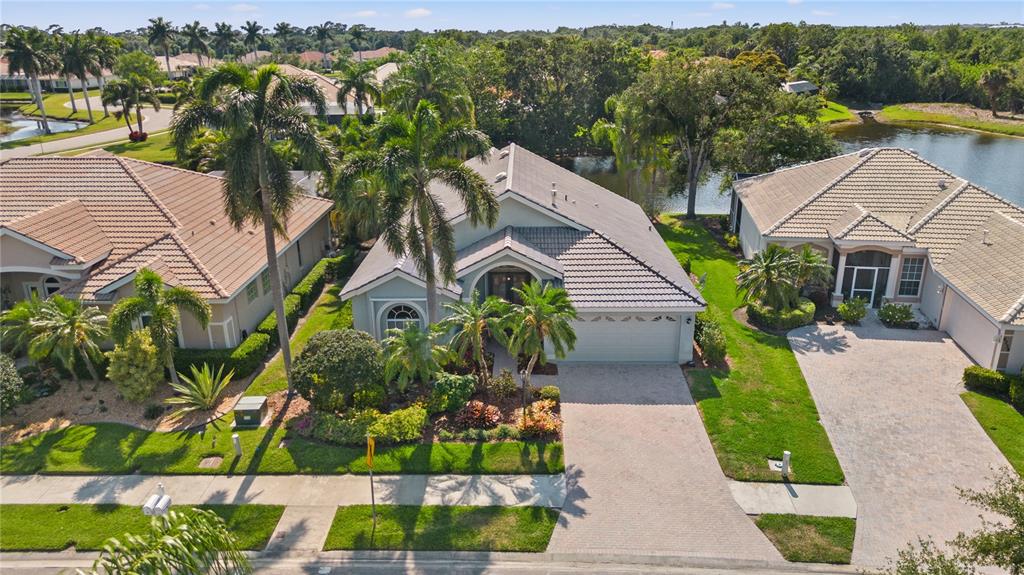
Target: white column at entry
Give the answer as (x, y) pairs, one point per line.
(890, 286)
(837, 295)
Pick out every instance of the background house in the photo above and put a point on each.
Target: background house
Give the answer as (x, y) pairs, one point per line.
(898, 228)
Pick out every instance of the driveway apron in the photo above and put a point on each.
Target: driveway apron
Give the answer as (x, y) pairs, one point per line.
(889, 400)
(640, 471)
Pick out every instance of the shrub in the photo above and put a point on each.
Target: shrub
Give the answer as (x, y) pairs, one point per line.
(135, 366)
(708, 334)
(153, 411)
(334, 365)
(369, 397)
(401, 425)
(503, 432)
(1017, 392)
(551, 392)
(311, 286)
(733, 241)
(896, 314)
(853, 310)
(348, 430)
(503, 385)
(451, 392)
(243, 359)
(12, 387)
(292, 312)
(473, 434)
(540, 420)
(201, 391)
(445, 435)
(478, 414)
(784, 319)
(977, 378)
(340, 266)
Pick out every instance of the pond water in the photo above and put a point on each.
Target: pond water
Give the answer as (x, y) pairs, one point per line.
(993, 162)
(20, 127)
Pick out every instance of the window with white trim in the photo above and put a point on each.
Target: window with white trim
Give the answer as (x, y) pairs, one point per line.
(252, 291)
(400, 315)
(910, 277)
(265, 280)
(51, 285)
(1004, 351)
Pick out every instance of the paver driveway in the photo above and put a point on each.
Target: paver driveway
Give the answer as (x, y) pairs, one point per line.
(641, 473)
(889, 400)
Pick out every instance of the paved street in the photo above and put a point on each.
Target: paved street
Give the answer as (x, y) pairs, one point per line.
(889, 400)
(640, 471)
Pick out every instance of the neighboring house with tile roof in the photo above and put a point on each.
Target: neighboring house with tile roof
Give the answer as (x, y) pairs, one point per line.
(635, 302)
(83, 227)
(899, 228)
(330, 88)
(375, 54)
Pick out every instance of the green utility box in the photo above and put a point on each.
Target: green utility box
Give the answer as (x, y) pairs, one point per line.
(251, 411)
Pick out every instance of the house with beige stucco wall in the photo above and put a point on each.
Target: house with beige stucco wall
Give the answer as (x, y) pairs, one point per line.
(898, 228)
(82, 227)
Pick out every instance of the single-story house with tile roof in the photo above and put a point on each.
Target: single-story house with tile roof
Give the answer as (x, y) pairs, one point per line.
(82, 227)
(800, 87)
(635, 303)
(899, 228)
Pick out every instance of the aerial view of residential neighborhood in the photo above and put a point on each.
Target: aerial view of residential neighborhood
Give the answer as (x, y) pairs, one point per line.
(531, 286)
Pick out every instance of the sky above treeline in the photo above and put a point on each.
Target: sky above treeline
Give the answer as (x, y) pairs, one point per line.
(484, 15)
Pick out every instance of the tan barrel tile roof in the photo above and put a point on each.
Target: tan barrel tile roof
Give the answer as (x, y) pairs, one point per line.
(69, 227)
(859, 224)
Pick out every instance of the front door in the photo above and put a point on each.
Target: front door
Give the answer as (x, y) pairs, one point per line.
(864, 284)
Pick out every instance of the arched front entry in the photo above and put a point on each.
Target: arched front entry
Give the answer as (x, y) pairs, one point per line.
(501, 280)
(866, 276)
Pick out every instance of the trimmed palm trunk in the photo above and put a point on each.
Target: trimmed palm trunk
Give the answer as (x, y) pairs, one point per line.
(71, 93)
(85, 92)
(275, 272)
(38, 89)
(167, 60)
(102, 83)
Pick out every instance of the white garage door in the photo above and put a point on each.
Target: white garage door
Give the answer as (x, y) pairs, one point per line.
(969, 328)
(626, 338)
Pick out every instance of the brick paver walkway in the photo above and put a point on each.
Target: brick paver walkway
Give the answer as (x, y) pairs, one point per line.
(889, 400)
(641, 474)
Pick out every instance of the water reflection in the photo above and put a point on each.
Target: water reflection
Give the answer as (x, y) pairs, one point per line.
(29, 127)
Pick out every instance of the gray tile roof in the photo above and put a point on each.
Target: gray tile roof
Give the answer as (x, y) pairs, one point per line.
(508, 238)
(889, 194)
(597, 212)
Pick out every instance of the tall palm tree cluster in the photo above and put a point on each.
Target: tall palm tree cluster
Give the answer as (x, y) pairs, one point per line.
(776, 275)
(36, 53)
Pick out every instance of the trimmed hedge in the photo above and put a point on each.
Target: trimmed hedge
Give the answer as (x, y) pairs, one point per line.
(292, 313)
(312, 285)
(765, 316)
(977, 378)
(244, 359)
(341, 266)
(1017, 392)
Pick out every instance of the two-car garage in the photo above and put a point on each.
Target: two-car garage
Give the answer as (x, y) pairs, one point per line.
(629, 337)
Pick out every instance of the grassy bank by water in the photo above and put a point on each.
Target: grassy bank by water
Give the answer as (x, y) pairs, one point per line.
(958, 115)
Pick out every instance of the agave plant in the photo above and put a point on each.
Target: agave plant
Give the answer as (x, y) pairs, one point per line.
(201, 392)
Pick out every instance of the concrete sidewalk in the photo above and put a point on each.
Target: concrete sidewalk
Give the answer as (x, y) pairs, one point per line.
(298, 490)
(793, 498)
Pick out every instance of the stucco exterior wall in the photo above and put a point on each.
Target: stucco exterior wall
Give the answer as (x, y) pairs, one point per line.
(1016, 361)
(975, 334)
(512, 213)
(16, 253)
(931, 296)
(751, 240)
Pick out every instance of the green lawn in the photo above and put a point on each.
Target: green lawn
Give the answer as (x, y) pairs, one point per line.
(328, 313)
(761, 406)
(835, 112)
(807, 539)
(87, 527)
(905, 114)
(157, 148)
(439, 528)
(55, 109)
(15, 96)
(112, 448)
(1003, 423)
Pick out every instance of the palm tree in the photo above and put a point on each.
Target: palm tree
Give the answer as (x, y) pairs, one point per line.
(545, 315)
(358, 34)
(107, 50)
(358, 194)
(28, 52)
(768, 277)
(283, 32)
(994, 81)
(810, 268)
(194, 541)
(198, 39)
(360, 81)
(16, 323)
(223, 37)
(414, 153)
(410, 353)
(161, 34)
(128, 93)
(160, 308)
(253, 35)
(431, 74)
(67, 330)
(258, 110)
(473, 321)
(63, 61)
(324, 32)
(82, 59)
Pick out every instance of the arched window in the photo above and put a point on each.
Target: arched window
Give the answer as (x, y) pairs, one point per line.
(51, 285)
(400, 315)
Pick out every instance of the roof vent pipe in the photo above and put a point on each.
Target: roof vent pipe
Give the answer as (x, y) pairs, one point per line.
(943, 184)
(984, 237)
(554, 194)
(865, 152)
(500, 176)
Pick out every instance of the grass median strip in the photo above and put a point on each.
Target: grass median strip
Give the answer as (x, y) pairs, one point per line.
(807, 539)
(442, 528)
(760, 406)
(1003, 424)
(45, 527)
(111, 448)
